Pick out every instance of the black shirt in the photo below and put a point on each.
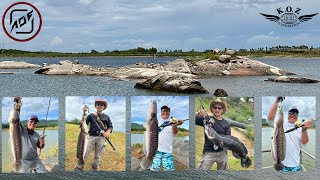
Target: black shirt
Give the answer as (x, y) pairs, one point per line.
(220, 126)
(95, 126)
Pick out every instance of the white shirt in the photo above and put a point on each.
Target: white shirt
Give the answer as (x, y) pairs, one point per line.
(165, 138)
(293, 144)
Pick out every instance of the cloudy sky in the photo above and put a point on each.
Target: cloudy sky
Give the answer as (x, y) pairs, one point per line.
(82, 25)
(179, 106)
(305, 105)
(116, 109)
(32, 106)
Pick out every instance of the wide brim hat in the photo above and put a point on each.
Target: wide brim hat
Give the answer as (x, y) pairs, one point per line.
(101, 101)
(220, 102)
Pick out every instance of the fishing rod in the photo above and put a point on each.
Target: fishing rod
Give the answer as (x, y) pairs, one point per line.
(44, 128)
(296, 127)
(168, 123)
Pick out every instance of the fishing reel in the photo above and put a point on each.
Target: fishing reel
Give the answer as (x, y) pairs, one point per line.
(173, 120)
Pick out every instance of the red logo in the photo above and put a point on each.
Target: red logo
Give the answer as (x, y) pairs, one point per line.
(22, 21)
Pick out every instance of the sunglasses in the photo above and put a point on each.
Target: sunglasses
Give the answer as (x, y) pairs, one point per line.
(165, 110)
(99, 104)
(292, 114)
(216, 107)
(33, 122)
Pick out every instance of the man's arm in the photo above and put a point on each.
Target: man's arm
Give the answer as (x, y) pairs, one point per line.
(109, 127)
(273, 110)
(175, 129)
(304, 135)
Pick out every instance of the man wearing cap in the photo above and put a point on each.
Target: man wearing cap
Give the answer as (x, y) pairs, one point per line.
(212, 153)
(30, 141)
(293, 138)
(164, 153)
(100, 128)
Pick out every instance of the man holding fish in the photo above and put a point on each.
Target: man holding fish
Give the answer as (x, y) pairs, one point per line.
(100, 128)
(164, 153)
(211, 152)
(290, 159)
(24, 142)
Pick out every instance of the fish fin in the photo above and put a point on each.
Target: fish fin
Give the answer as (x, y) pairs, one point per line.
(246, 162)
(278, 166)
(146, 163)
(17, 166)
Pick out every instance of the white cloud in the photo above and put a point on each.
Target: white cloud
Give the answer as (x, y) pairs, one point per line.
(31, 106)
(85, 2)
(56, 41)
(305, 105)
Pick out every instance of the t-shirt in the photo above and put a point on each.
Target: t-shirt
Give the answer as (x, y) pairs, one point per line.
(293, 144)
(29, 145)
(165, 138)
(95, 126)
(220, 126)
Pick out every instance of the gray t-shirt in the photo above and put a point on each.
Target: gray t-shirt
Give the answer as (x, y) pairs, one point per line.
(29, 145)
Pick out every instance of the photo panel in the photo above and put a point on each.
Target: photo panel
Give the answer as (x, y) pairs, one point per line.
(288, 133)
(30, 134)
(159, 133)
(95, 133)
(224, 133)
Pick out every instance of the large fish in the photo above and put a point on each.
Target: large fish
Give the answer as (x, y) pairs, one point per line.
(278, 141)
(151, 136)
(82, 139)
(230, 142)
(15, 134)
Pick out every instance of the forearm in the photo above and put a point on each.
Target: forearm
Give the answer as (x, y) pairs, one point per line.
(272, 111)
(304, 137)
(199, 120)
(175, 130)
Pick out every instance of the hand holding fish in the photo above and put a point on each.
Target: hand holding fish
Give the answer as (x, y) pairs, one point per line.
(42, 141)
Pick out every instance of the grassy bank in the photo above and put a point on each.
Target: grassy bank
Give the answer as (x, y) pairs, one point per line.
(110, 161)
(233, 163)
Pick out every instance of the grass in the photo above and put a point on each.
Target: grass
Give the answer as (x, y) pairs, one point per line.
(110, 161)
(233, 163)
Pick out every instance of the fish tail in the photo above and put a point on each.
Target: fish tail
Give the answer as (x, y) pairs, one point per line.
(278, 166)
(146, 163)
(17, 166)
(245, 162)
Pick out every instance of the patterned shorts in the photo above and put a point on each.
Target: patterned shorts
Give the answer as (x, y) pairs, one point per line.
(165, 158)
(291, 169)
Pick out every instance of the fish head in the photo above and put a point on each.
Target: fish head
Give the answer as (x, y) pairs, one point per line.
(152, 113)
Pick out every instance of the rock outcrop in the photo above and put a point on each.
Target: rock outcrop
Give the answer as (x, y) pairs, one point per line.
(292, 80)
(17, 65)
(173, 83)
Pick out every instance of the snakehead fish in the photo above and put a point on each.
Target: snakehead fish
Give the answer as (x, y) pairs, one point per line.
(15, 134)
(151, 136)
(278, 141)
(230, 142)
(82, 139)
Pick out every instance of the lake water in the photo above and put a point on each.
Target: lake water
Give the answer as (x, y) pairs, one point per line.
(139, 138)
(51, 142)
(26, 83)
(307, 162)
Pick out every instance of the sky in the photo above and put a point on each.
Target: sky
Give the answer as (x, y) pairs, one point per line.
(83, 25)
(32, 106)
(116, 109)
(305, 105)
(179, 108)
